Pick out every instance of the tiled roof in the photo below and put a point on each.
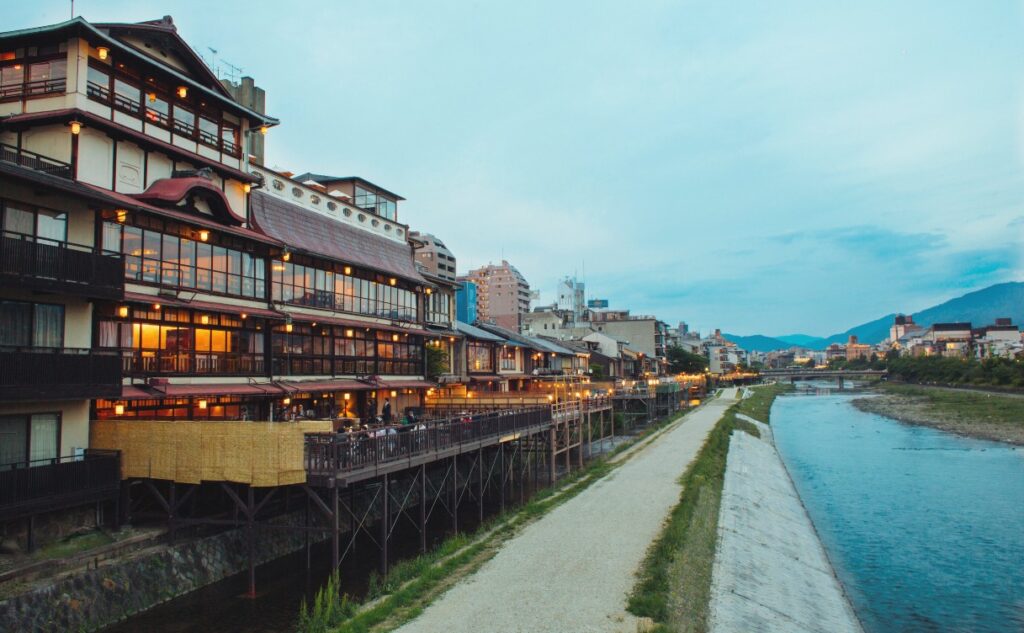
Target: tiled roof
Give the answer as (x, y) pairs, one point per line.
(477, 333)
(174, 190)
(316, 235)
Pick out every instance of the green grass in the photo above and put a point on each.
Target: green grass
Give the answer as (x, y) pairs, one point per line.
(964, 404)
(74, 544)
(759, 405)
(674, 583)
(410, 584)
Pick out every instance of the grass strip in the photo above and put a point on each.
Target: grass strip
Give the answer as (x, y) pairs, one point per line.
(413, 584)
(673, 585)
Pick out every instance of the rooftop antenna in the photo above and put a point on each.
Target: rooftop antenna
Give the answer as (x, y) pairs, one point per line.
(72, 9)
(232, 71)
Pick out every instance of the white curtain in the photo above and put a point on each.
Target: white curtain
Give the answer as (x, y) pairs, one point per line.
(44, 437)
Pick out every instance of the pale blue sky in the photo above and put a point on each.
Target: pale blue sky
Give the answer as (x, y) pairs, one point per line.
(765, 167)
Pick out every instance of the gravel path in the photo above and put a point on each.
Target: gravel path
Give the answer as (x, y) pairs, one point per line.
(572, 569)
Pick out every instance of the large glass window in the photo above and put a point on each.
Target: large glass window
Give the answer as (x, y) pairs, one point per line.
(375, 203)
(31, 437)
(98, 84)
(126, 96)
(480, 357)
(48, 76)
(173, 341)
(327, 350)
(24, 324)
(167, 259)
(48, 226)
(320, 287)
(158, 110)
(184, 120)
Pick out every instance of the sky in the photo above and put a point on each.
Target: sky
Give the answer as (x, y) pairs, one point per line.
(761, 167)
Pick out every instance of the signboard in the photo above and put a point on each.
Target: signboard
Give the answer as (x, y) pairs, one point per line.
(597, 303)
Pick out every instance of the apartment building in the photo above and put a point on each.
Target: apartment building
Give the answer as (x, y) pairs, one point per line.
(434, 256)
(503, 295)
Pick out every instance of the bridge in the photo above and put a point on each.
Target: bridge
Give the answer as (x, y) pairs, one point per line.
(839, 375)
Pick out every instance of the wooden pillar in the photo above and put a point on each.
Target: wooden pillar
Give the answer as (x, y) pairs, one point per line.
(385, 526)
(501, 461)
(423, 509)
(336, 529)
(551, 463)
(480, 484)
(306, 524)
(250, 528)
(455, 494)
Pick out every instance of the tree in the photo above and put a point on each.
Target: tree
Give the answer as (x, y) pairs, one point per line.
(596, 371)
(437, 362)
(809, 364)
(681, 361)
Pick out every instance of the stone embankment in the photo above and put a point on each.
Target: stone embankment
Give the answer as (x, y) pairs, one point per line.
(89, 600)
(771, 572)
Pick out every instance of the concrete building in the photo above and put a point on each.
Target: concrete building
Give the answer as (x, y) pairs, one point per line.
(466, 301)
(572, 298)
(503, 296)
(435, 257)
(856, 350)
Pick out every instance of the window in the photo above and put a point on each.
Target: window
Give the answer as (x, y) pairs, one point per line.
(158, 110)
(126, 96)
(164, 258)
(98, 84)
(48, 226)
(229, 139)
(323, 288)
(208, 131)
(11, 79)
(24, 324)
(480, 358)
(47, 76)
(175, 341)
(29, 437)
(184, 120)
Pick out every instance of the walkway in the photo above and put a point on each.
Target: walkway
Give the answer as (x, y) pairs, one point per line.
(572, 569)
(771, 573)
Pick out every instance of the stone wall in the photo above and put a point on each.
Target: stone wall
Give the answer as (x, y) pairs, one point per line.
(89, 600)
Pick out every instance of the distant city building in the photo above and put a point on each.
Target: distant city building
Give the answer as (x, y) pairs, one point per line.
(433, 255)
(465, 302)
(251, 96)
(571, 297)
(503, 296)
(597, 303)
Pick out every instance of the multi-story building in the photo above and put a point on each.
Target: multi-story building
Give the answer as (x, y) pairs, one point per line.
(572, 298)
(151, 272)
(857, 350)
(434, 256)
(466, 301)
(503, 295)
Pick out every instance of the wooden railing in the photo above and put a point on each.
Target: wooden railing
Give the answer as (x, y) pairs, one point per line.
(32, 160)
(61, 482)
(32, 372)
(31, 88)
(346, 452)
(60, 266)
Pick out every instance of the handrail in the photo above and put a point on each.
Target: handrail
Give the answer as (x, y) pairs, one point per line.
(32, 160)
(346, 452)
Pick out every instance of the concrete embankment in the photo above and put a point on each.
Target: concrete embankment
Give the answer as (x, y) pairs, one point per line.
(771, 573)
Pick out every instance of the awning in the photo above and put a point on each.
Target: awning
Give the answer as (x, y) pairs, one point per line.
(333, 320)
(323, 385)
(157, 392)
(408, 384)
(202, 305)
(486, 378)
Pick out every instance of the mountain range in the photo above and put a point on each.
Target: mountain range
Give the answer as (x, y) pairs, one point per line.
(980, 307)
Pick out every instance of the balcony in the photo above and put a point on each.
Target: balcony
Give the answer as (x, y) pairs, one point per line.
(61, 267)
(58, 373)
(36, 162)
(45, 485)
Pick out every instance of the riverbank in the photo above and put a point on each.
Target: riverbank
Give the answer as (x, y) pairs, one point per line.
(771, 572)
(982, 415)
(673, 588)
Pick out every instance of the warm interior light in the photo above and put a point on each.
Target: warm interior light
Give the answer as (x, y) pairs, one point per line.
(347, 396)
(286, 255)
(264, 129)
(288, 327)
(246, 187)
(287, 401)
(244, 315)
(182, 91)
(121, 215)
(394, 393)
(202, 404)
(152, 97)
(102, 52)
(204, 235)
(394, 337)
(122, 311)
(348, 270)
(428, 291)
(76, 127)
(392, 281)
(204, 319)
(118, 409)
(350, 333)
(156, 306)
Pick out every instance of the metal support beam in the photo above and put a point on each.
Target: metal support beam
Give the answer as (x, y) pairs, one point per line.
(423, 509)
(385, 525)
(335, 531)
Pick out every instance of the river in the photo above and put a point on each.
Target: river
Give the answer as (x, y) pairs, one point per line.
(925, 528)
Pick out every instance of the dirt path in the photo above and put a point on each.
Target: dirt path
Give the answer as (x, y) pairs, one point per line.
(572, 569)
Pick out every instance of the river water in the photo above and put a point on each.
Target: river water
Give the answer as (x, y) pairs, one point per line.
(925, 528)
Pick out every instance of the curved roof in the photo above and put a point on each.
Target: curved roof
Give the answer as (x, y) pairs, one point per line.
(320, 236)
(173, 190)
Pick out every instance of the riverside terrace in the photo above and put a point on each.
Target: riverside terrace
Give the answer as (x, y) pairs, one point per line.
(348, 482)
